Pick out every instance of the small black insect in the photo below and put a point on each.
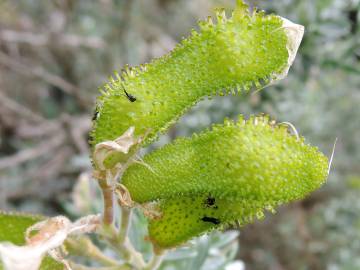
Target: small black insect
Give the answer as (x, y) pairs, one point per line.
(210, 202)
(129, 96)
(211, 219)
(95, 115)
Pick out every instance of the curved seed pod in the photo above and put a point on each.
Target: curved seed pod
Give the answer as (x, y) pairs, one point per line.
(188, 216)
(231, 172)
(228, 56)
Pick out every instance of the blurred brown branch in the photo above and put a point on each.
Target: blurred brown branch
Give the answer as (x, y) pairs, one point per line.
(38, 72)
(12, 105)
(76, 128)
(35, 39)
(32, 153)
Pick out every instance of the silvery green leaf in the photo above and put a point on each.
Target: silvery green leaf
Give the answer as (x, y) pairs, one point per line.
(180, 254)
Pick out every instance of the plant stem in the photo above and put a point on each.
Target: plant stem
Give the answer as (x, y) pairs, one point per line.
(124, 225)
(135, 257)
(155, 262)
(76, 266)
(118, 239)
(108, 195)
(125, 249)
(85, 247)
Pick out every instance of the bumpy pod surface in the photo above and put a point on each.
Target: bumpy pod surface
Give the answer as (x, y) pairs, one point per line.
(232, 54)
(229, 173)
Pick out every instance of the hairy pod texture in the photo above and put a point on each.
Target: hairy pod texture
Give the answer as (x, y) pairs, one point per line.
(228, 56)
(229, 173)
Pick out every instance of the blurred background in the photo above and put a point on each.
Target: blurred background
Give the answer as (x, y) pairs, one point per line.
(55, 54)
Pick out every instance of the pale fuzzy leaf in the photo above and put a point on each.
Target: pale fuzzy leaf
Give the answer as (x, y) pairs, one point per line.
(295, 33)
(235, 265)
(121, 145)
(51, 235)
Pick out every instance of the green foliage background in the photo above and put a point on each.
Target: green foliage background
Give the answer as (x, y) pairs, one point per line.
(54, 55)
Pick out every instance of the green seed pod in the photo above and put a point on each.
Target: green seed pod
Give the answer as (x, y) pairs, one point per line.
(228, 56)
(229, 173)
